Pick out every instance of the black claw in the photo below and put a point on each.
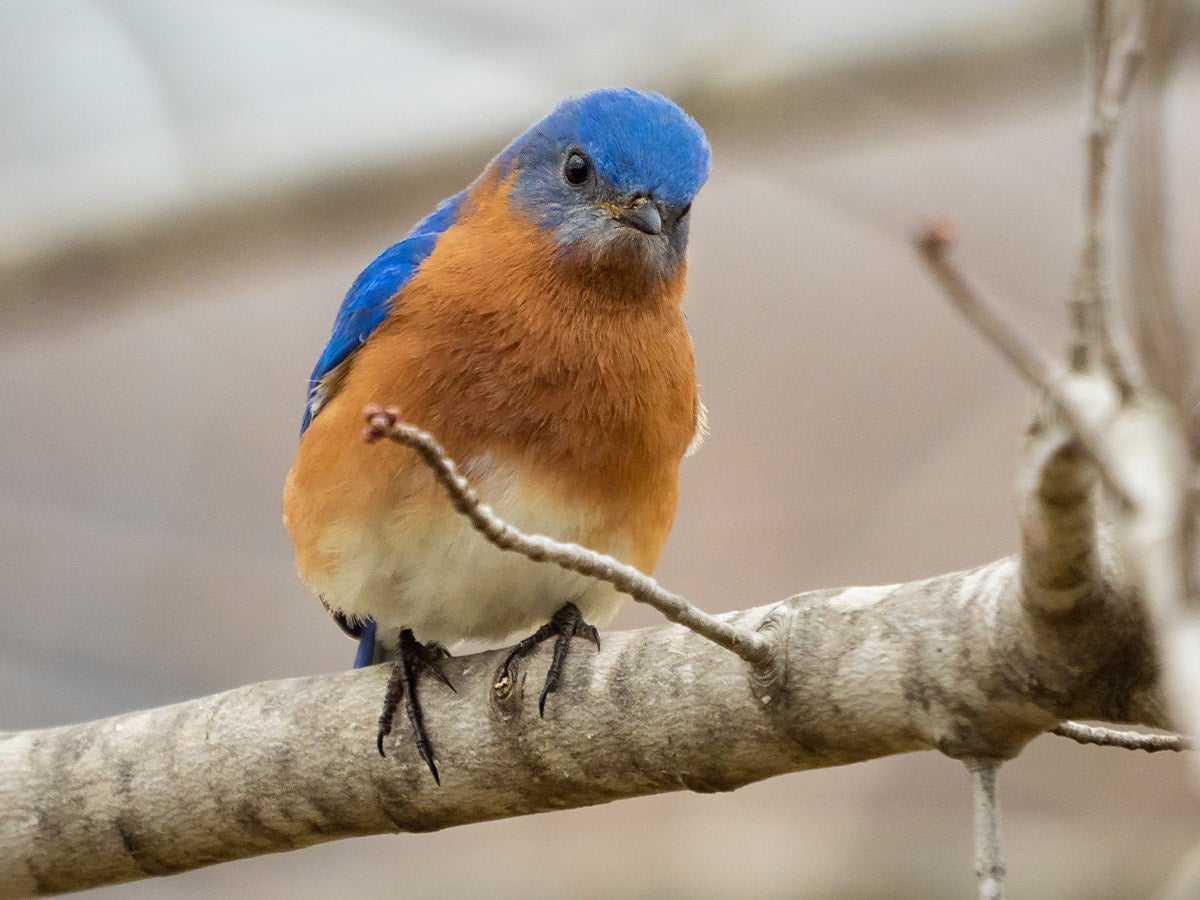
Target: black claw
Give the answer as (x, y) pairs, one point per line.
(565, 624)
(436, 669)
(416, 719)
(551, 684)
(391, 698)
(411, 658)
(592, 634)
(352, 627)
(526, 646)
(431, 656)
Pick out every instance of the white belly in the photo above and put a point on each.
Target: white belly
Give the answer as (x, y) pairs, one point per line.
(448, 583)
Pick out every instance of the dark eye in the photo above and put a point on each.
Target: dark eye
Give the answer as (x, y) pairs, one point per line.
(577, 168)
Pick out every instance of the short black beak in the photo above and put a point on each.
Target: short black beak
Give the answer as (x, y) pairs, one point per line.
(645, 217)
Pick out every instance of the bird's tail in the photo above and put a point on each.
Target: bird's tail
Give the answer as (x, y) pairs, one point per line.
(366, 645)
(374, 647)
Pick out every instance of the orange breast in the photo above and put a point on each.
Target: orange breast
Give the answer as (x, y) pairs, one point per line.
(576, 374)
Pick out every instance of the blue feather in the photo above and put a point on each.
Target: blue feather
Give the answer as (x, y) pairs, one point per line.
(366, 645)
(369, 299)
(640, 144)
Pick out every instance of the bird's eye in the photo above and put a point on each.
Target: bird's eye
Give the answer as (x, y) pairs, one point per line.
(577, 168)
(683, 212)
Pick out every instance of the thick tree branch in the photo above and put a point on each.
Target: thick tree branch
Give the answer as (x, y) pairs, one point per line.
(1155, 536)
(1140, 444)
(954, 663)
(1060, 561)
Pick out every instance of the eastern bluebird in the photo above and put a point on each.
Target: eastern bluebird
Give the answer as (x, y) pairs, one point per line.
(532, 323)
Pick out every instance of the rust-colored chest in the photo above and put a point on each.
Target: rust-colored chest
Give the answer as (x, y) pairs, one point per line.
(498, 345)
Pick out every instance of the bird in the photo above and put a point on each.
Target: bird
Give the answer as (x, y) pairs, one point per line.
(533, 324)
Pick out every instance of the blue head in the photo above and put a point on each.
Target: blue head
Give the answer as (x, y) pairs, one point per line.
(612, 171)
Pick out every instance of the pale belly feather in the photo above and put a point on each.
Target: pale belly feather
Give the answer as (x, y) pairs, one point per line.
(430, 571)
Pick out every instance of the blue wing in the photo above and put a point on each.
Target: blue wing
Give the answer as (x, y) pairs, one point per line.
(369, 298)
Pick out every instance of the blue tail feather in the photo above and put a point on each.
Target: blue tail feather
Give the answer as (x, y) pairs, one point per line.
(366, 645)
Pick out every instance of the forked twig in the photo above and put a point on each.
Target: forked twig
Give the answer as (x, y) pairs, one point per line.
(749, 645)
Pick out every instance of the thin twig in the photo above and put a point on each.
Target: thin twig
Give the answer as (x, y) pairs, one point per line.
(749, 645)
(1125, 55)
(1123, 64)
(1100, 334)
(989, 854)
(1127, 740)
(1035, 367)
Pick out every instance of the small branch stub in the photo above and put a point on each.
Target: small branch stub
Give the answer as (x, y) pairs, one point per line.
(989, 855)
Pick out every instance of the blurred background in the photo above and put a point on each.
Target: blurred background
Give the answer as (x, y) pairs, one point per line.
(187, 188)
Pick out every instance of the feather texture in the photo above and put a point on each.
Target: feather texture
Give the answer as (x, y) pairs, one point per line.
(367, 302)
(538, 334)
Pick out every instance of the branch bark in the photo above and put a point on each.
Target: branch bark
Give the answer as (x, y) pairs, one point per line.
(1126, 740)
(1136, 437)
(989, 855)
(852, 675)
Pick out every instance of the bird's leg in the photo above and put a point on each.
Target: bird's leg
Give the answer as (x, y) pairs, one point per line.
(565, 624)
(411, 658)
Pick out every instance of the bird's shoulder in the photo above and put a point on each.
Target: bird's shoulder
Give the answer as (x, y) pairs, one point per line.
(370, 297)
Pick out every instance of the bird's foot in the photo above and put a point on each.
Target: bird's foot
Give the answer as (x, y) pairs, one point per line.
(567, 623)
(412, 657)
